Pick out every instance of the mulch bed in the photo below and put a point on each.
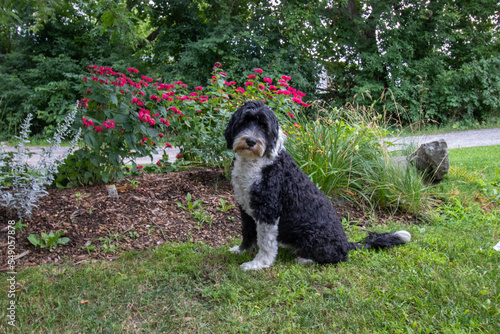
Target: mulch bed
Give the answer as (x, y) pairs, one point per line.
(144, 216)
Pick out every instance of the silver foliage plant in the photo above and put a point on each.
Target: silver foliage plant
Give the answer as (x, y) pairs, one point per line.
(28, 183)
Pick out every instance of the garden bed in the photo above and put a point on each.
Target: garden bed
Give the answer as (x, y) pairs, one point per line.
(144, 216)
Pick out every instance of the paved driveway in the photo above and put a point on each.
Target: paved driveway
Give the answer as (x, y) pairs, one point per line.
(459, 139)
(470, 138)
(63, 150)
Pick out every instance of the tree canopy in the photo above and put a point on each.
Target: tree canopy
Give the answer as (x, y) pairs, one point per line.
(431, 59)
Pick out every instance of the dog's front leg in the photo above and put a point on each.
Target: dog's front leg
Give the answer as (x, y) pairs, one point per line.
(267, 240)
(249, 233)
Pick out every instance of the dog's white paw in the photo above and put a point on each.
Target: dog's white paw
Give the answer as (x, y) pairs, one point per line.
(235, 249)
(254, 265)
(304, 261)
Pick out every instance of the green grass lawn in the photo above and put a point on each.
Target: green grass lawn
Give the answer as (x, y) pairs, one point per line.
(447, 280)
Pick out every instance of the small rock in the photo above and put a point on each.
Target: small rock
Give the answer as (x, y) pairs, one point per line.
(432, 159)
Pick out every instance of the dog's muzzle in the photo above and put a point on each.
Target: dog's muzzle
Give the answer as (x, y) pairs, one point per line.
(249, 146)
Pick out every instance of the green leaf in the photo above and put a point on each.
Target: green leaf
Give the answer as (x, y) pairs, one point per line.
(35, 240)
(89, 139)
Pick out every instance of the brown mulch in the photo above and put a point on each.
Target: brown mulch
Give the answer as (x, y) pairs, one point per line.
(144, 216)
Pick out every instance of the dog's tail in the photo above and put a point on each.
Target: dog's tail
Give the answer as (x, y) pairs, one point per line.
(382, 240)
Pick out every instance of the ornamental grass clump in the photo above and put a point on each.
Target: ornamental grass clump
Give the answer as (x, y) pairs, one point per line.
(346, 156)
(125, 116)
(22, 185)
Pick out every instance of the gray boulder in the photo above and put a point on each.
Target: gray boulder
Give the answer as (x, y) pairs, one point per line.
(432, 159)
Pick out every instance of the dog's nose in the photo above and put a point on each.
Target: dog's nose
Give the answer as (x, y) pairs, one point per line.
(251, 142)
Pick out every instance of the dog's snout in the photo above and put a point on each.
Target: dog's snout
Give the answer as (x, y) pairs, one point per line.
(251, 142)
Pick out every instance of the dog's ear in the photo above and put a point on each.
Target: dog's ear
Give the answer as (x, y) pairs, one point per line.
(274, 129)
(231, 127)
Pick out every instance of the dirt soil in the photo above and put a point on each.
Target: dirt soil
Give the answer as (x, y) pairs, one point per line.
(144, 216)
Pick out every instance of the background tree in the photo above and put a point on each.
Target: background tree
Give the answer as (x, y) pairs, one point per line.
(438, 58)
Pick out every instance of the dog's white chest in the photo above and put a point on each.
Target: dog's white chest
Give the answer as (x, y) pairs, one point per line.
(246, 173)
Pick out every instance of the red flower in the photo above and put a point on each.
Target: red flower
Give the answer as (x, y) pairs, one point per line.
(131, 69)
(98, 128)
(258, 70)
(268, 80)
(248, 83)
(168, 145)
(198, 88)
(240, 90)
(179, 156)
(252, 76)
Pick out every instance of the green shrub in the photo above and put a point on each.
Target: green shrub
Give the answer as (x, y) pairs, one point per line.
(130, 116)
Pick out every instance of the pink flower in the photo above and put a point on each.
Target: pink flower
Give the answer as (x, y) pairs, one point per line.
(284, 77)
(194, 94)
(290, 114)
(248, 83)
(98, 128)
(179, 156)
(140, 166)
(133, 70)
(273, 87)
(261, 86)
(252, 76)
(109, 124)
(198, 88)
(161, 135)
(87, 122)
(258, 70)
(296, 125)
(168, 145)
(268, 80)
(240, 90)
(84, 103)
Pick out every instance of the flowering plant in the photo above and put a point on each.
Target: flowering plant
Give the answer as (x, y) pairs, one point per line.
(131, 115)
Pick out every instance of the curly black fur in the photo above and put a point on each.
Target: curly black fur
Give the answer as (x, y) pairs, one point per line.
(272, 189)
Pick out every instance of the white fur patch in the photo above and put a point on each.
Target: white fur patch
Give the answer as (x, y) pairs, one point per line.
(236, 250)
(267, 240)
(403, 235)
(246, 173)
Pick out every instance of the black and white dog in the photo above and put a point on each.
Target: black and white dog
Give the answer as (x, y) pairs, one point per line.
(278, 202)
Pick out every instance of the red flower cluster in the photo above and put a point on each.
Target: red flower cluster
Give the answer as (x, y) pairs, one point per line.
(145, 117)
(258, 70)
(133, 70)
(98, 128)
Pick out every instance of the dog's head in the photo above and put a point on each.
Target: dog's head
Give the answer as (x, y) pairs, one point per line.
(253, 131)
